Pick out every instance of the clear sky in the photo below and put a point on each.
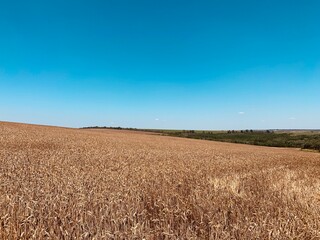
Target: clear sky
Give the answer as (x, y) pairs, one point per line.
(161, 64)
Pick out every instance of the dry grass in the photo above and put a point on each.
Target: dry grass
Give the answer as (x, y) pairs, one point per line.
(60, 183)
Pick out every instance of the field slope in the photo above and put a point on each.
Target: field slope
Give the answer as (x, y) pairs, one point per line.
(59, 183)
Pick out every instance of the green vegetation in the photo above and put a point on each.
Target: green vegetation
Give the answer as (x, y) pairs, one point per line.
(261, 138)
(296, 139)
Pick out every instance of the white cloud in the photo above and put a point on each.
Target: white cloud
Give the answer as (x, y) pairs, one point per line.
(157, 119)
(292, 118)
(241, 113)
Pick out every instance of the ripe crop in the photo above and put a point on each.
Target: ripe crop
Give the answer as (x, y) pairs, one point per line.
(59, 183)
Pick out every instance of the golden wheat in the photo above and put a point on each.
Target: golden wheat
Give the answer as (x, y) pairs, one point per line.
(58, 183)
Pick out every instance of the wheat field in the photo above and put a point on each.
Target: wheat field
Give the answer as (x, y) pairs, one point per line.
(59, 183)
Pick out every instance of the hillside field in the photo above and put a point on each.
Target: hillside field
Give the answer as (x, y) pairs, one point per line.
(60, 183)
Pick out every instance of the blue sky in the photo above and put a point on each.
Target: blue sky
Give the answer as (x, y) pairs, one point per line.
(161, 64)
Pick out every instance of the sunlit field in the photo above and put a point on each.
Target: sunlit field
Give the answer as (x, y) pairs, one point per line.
(59, 183)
